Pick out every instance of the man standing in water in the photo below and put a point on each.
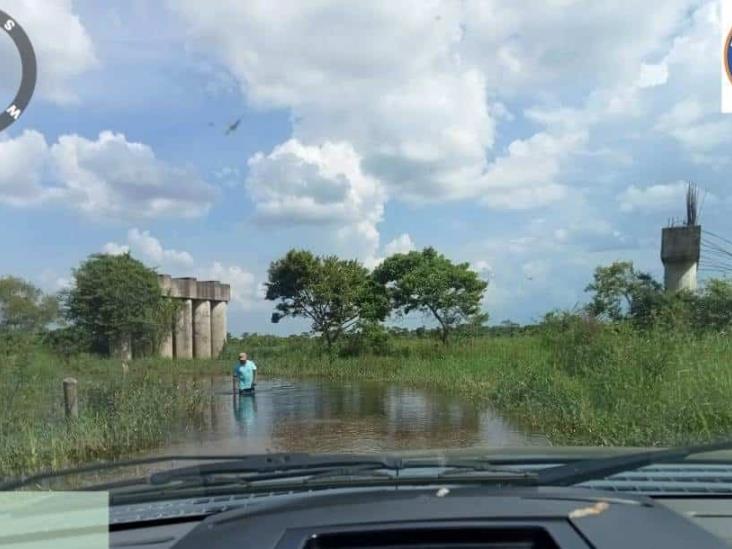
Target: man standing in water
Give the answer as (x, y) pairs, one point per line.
(246, 372)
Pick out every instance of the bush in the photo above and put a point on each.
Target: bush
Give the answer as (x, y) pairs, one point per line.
(68, 342)
(118, 298)
(371, 338)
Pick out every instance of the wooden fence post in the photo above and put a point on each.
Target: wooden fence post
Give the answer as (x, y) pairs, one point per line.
(71, 398)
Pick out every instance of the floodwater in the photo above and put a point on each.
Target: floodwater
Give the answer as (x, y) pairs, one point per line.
(317, 416)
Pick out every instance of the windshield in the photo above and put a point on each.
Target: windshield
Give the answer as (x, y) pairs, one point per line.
(474, 228)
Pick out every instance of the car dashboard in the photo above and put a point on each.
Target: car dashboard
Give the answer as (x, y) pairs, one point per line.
(434, 517)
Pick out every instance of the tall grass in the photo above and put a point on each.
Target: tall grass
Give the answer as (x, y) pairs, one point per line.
(118, 414)
(579, 382)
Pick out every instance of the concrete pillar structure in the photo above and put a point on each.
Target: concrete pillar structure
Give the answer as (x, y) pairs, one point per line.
(121, 347)
(680, 248)
(218, 327)
(183, 340)
(202, 328)
(166, 344)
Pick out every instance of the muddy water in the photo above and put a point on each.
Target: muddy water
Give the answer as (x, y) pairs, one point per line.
(315, 416)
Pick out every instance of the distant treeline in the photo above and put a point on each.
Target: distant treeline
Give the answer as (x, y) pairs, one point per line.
(350, 309)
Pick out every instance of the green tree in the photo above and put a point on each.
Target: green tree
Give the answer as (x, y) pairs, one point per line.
(429, 282)
(714, 305)
(24, 308)
(336, 295)
(116, 299)
(621, 291)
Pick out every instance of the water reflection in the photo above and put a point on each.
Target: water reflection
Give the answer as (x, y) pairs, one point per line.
(245, 409)
(312, 416)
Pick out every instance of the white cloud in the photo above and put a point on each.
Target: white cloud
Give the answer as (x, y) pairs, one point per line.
(112, 248)
(535, 269)
(683, 113)
(694, 120)
(23, 164)
(527, 176)
(575, 39)
(245, 292)
(400, 245)
(409, 106)
(142, 245)
(421, 106)
(663, 197)
(106, 177)
(50, 281)
(61, 43)
(697, 127)
(483, 268)
(652, 75)
(150, 248)
(298, 184)
(594, 235)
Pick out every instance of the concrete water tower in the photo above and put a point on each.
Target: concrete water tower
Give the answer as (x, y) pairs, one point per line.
(680, 247)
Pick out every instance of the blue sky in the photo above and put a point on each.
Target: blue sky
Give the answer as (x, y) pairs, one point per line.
(533, 143)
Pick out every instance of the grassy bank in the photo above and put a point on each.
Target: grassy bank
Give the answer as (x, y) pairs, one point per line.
(118, 414)
(578, 383)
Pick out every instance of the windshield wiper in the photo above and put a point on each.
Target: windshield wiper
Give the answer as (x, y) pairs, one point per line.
(599, 468)
(275, 472)
(297, 480)
(13, 484)
(228, 469)
(269, 465)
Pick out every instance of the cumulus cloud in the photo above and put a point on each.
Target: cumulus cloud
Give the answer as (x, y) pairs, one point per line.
(106, 177)
(400, 245)
(694, 120)
(483, 268)
(150, 250)
(527, 176)
(112, 248)
(652, 75)
(420, 106)
(245, 293)
(414, 112)
(594, 235)
(689, 122)
(661, 197)
(299, 184)
(62, 45)
(23, 166)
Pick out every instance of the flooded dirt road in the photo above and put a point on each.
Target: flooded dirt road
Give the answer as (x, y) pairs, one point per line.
(317, 416)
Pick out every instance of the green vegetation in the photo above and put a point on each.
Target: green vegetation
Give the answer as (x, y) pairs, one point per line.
(342, 298)
(428, 282)
(636, 366)
(579, 381)
(116, 299)
(338, 296)
(119, 414)
(24, 308)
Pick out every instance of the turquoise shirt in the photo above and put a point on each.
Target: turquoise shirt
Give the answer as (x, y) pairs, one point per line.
(245, 373)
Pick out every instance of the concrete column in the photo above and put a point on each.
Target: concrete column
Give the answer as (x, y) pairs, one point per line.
(183, 340)
(218, 327)
(202, 328)
(680, 247)
(121, 347)
(166, 344)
